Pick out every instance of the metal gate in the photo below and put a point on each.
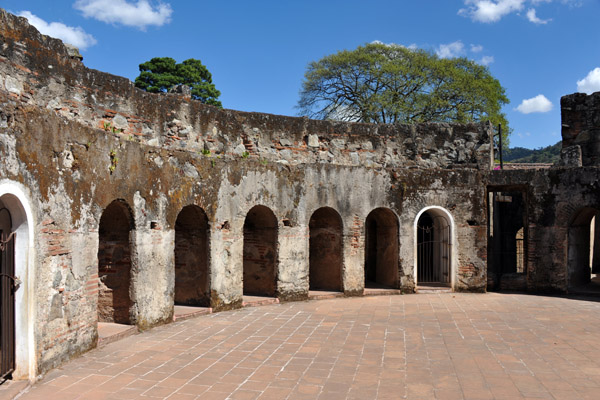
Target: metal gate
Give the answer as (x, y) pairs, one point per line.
(433, 250)
(7, 300)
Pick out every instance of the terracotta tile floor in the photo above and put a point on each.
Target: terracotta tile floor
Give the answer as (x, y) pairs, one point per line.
(446, 346)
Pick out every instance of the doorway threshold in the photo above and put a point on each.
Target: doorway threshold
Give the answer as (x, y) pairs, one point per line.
(109, 332)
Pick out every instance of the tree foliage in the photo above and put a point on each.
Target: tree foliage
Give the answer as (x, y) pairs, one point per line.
(162, 73)
(381, 83)
(548, 154)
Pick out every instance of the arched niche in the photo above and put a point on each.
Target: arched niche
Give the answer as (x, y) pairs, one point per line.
(381, 248)
(114, 264)
(326, 258)
(192, 276)
(260, 252)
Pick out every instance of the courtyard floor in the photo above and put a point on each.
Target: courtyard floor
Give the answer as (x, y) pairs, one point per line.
(425, 346)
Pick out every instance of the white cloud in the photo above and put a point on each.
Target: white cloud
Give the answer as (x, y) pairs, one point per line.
(476, 48)
(68, 34)
(537, 104)
(139, 15)
(490, 10)
(451, 50)
(591, 83)
(486, 60)
(532, 17)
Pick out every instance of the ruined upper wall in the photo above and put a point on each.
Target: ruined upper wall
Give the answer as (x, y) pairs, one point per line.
(37, 70)
(580, 114)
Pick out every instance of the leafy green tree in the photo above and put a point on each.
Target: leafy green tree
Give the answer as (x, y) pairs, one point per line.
(381, 83)
(548, 154)
(162, 73)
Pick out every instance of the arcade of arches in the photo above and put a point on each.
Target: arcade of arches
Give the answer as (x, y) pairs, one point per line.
(214, 205)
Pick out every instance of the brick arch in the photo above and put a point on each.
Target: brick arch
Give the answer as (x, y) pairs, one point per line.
(326, 256)
(565, 213)
(260, 257)
(115, 303)
(192, 272)
(13, 197)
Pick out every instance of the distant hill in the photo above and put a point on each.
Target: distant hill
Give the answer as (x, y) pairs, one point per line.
(548, 154)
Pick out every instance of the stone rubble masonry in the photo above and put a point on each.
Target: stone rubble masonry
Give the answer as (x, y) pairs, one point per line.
(580, 116)
(75, 140)
(44, 75)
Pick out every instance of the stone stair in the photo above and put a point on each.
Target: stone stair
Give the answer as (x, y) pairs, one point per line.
(255, 301)
(433, 288)
(109, 332)
(182, 313)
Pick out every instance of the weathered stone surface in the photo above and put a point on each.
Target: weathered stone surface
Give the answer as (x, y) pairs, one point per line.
(120, 122)
(62, 165)
(570, 157)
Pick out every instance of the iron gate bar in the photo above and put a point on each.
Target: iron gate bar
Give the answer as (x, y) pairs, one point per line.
(433, 253)
(7, 305)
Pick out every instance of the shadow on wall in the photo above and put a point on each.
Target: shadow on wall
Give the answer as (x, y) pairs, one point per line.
(583, 258)
(114, 264)
(326, 258)
(192, 273)
(260, 252)
(381, 249)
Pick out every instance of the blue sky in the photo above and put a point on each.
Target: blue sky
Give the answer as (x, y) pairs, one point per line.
(257, 51)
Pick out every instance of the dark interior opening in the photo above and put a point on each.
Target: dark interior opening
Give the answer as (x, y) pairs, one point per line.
(325, 247)
(507, 240)
(192, 276)
(114, 264)
(433, 248)
(260, 252)
(584, 246)
(381, 249)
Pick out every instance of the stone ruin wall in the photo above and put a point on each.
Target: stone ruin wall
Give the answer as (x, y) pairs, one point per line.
(555, 197)
(74, 140)
(39, 72)
(580, 115)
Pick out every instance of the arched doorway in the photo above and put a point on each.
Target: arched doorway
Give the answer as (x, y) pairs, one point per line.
(381, 249)
(114, 264)
(507, 239)
(434, 247)
(8, 286)
(584, 243)
(260, 252)
(326, 258)
(18, 258)
(192, 278)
